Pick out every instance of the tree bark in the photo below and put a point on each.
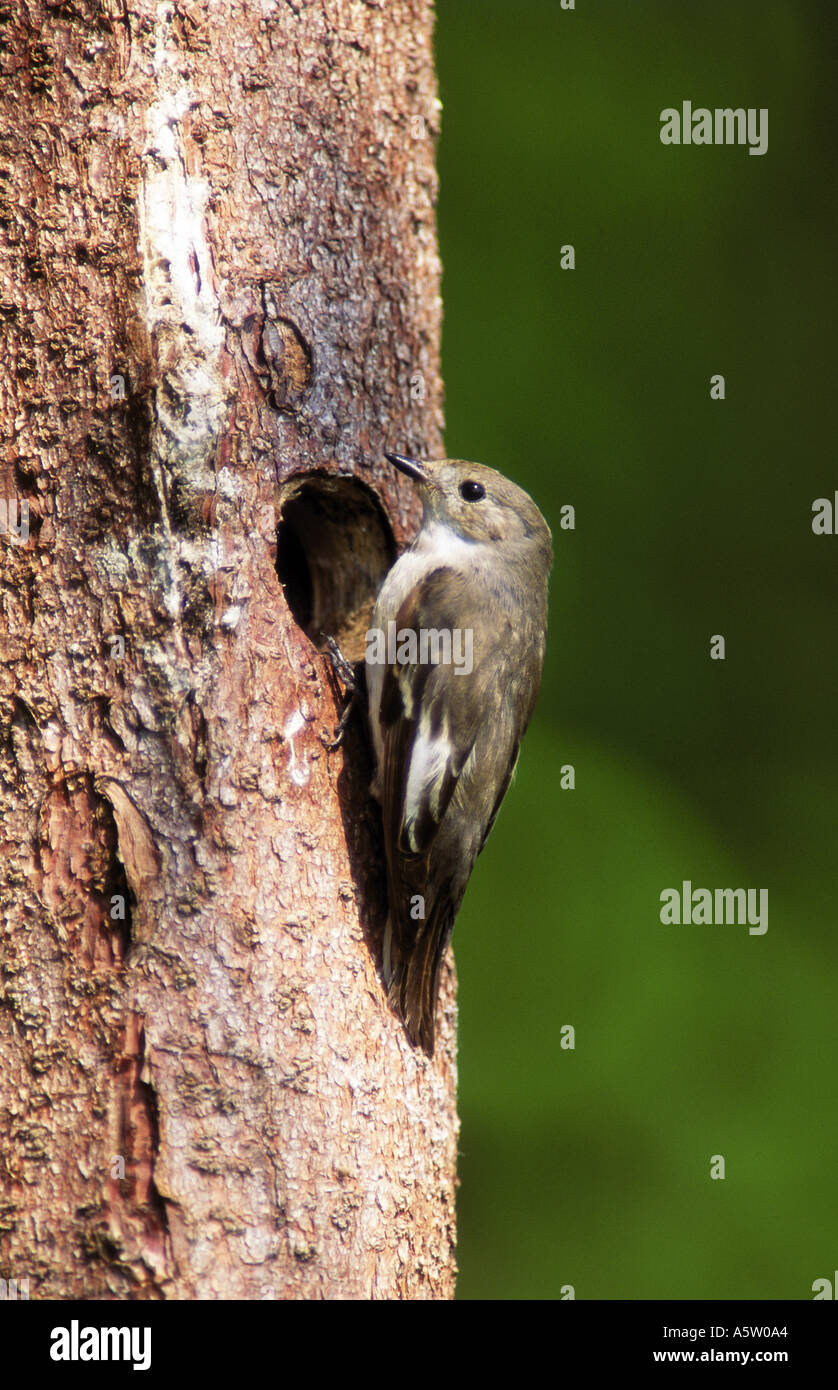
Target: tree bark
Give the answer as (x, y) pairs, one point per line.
(220, 301)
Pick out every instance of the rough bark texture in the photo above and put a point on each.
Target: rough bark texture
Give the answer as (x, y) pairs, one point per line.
(229, 206)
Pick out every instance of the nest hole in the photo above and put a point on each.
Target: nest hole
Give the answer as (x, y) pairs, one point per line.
(334, 547)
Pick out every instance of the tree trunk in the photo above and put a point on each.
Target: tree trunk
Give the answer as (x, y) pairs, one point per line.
(220, 301)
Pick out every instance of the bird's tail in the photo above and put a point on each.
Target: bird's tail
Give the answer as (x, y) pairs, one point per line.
(412, 964)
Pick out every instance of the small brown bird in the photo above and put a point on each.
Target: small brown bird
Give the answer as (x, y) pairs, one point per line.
(454, 658)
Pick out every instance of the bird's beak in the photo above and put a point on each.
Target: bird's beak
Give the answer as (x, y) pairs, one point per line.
(412, 467)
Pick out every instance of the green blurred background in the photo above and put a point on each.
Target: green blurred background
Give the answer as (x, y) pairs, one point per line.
(591, 1167)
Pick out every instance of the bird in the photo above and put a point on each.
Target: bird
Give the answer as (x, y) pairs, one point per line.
(454, 656)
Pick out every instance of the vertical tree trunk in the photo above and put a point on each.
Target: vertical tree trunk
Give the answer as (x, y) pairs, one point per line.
(220, 300)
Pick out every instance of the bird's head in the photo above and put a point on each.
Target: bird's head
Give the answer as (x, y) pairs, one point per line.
(475, 502)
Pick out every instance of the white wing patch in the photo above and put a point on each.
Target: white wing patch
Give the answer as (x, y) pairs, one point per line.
(429, 762)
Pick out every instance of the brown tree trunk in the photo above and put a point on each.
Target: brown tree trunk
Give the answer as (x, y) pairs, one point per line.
(220, 300)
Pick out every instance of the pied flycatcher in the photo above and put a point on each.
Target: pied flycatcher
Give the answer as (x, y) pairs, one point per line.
(453, 661)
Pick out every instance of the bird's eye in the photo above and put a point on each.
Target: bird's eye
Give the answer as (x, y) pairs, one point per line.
(472, 492)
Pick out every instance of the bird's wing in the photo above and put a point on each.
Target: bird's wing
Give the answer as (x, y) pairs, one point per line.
(429, 718)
